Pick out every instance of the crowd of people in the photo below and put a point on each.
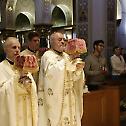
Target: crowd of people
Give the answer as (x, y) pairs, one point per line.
(56, 91)
(98, 70)
(96, 66)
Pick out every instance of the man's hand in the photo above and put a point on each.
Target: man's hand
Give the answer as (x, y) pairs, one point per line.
(74, 56)
(24, 80)
(80, 65)
(104, 71)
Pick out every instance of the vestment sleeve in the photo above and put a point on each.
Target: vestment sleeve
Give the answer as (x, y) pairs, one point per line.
(7, 103)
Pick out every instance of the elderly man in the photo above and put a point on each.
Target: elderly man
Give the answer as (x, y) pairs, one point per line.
(18, 106)
(60, 88)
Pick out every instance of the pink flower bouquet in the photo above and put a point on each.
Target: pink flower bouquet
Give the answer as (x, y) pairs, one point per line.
(76, 46)
(26, 63)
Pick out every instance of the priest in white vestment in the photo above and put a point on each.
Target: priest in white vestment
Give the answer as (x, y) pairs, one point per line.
(60, 88)
(18, 106)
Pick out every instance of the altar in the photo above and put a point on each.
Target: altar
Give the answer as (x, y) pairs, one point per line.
(102, 107)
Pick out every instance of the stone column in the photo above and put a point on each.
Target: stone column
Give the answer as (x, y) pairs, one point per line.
(111, 26)
(82, 19)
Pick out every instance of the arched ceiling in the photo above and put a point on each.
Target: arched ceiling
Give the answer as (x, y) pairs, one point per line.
(22, 22)
(62, 10)
(15, 7)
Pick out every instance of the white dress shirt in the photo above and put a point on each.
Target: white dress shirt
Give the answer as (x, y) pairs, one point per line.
(118, 64)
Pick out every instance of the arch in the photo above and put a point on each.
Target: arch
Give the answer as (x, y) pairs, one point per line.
(61, 15)
(30, 17)
(16, 7)
(23, 21)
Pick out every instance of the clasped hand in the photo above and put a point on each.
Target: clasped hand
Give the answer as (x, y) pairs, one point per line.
(24, 79)
(80, 65)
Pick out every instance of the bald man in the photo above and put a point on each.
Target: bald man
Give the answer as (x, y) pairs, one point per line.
(60, 88)
(18, 107)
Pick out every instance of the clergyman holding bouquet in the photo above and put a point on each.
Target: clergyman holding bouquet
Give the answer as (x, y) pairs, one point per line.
(18, 96)
(60, 88)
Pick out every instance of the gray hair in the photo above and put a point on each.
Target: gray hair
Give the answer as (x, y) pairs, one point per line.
(52, 38)
(8, 41)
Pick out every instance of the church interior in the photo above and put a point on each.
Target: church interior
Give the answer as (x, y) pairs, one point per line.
(87, 19)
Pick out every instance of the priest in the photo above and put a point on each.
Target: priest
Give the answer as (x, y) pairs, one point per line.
(60, 88)
(18, 101)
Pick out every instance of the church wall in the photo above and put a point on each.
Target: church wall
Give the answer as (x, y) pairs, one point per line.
(44, 8)
(24, 6)
(39, 11)
(90, 21)
(97, 21)
(42, 11)
(103, 24)
(121, 29)
(68, 3)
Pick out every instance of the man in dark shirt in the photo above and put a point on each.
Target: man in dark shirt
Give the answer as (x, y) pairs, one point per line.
(95, 66)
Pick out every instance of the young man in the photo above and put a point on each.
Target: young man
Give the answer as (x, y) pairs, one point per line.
(95, 66)
(118, 64)
(32, 49)
(60, 88)
(33, 43)
(18, 106)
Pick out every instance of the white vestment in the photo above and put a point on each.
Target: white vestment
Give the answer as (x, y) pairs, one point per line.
(60, 91)
(17, 106)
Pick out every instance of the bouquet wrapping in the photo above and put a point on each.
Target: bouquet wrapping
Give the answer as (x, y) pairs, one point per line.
(76, 46)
